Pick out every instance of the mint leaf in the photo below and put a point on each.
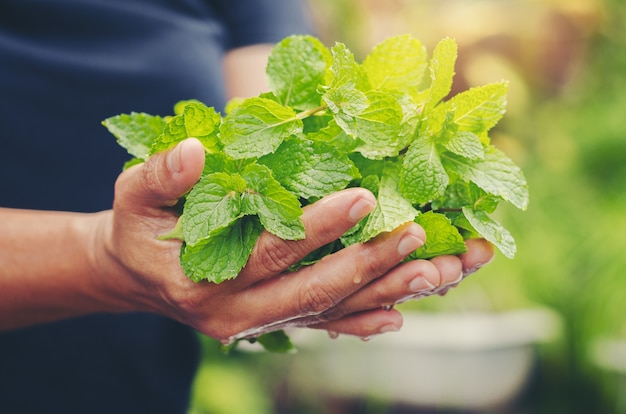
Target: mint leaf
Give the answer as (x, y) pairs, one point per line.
(397, 63)
(296, 85)
(278, 209)
(379, 126)
(345, 96)
(460, 194)
(345, 71)
(423, 177)
(196, 121)
(310, 169)
(466, 144)
(492, 231)
(496, 174)
(442, 70)
(221, 256)
(276, 341)
(392, 209)
(479, 109)
(212, 204)
(179, 107)
(441, 237)
(220, 162)
(334, 136)
(257, 127)
(135, 132)
(346, 103)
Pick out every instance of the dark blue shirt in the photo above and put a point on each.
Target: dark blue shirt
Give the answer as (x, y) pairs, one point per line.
(65, 65)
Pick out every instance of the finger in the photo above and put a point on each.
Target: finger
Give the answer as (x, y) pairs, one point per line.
(313, 290)
(163, 178)
(409, 280)
(363, 324)
(479, 253)
(414, 280)
(324, 221)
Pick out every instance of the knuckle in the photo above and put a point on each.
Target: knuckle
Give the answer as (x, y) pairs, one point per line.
(318, 299)
(275, 255)
(369, 265)
(184, 302)
(151, 177)
(337, 311)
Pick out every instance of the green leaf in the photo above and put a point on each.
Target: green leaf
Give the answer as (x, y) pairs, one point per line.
(466, 194)
(479, 109)
(392, 209)
(397, 63)
(221, 256)
(296, 85)
(197, 121)
(335, 136)
(423, 177)
(346, 103)
(257, 127)
(135, 132)
(379, 126)
(132, 162)
(310, 169)
(179, 107)
(278, 209)
(492, 231)
(276, 341)
(466, 144)
(442, 237)
(497, 174)
(442, 70)
(220, 162)
(212, 204)
(176, 233)
(345, 71)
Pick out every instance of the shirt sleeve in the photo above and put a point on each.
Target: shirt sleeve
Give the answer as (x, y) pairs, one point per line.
(249, 22)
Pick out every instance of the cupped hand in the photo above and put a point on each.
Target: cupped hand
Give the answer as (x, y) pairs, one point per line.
(351, 291)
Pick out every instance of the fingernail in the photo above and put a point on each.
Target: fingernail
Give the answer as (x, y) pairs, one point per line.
(443, 289)
(458, 280)
(333, 334)
(420, 284)
(388, 328)
(173, 158)
(408, 244)
(476, 268)
(360, 209)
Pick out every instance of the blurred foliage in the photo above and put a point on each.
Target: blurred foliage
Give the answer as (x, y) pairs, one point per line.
(566, 127)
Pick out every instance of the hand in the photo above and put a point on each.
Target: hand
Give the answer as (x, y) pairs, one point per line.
(344, 293)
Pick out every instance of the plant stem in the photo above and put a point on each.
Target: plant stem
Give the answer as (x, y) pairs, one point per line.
(310, 112)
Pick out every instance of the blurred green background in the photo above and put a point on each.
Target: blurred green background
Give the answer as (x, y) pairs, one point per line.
(566, 127)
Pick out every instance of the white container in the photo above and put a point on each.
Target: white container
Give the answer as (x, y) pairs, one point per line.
(469, 360)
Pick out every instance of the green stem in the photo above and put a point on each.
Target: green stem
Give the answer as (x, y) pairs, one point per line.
(310, 112)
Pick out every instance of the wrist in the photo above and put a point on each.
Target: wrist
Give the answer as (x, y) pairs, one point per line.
(113, 287)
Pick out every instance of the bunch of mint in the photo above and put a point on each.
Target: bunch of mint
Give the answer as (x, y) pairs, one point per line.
(328, 123)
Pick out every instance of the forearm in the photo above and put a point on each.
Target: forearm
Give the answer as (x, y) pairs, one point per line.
(244, 70)
(47, 267)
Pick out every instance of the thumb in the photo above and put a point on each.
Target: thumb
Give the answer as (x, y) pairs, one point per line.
(164, 177)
